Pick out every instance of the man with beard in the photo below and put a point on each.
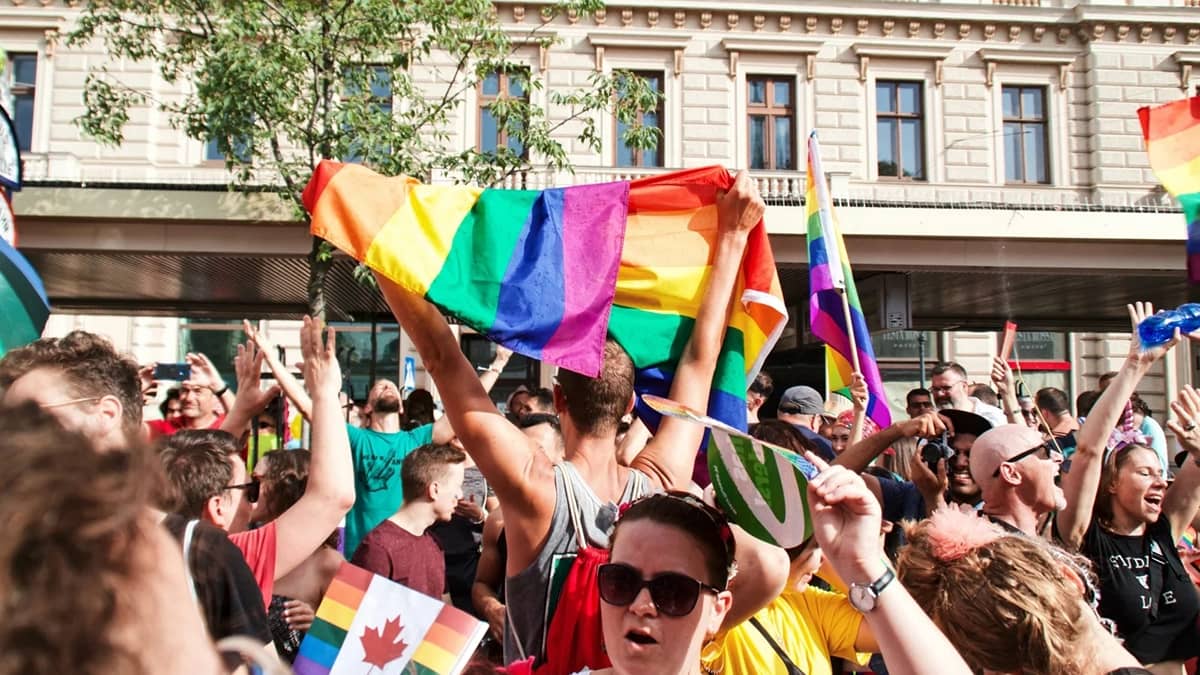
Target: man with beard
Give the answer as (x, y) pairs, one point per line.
(378, 449)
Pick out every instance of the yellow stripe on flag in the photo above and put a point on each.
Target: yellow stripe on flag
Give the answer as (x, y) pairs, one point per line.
(1181, 179)
(336, 613)
(434, 657)
(412, 247)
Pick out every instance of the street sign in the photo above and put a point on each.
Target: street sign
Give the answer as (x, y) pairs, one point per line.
(410, 374)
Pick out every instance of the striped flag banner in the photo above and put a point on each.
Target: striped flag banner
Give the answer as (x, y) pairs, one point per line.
(1172, 134)
(760, 487)
(368, 624)
(831, 288)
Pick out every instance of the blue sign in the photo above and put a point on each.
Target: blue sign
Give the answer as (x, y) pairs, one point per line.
(410, 374)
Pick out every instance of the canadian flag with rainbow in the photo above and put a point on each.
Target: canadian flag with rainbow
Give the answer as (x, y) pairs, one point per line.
(368, 625)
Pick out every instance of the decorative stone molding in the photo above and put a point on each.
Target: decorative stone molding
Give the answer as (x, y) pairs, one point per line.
(680, 19)
(1168, 33)
(626, 17)
(888, 27)
(543, 40)
(732, 20)
(518, 13)
(770, 44)
(652, 18)
(989, 31)
(1122, 32)
(600, 16)
(991, 57)
(634, 39)
(835, 25)
(1038, 33)
(1145, 33)
(1014, 32)
(1186, 59)
(51, 35)
(1193, 35)
(939, 29)
(1064, 34)
(865, 51)
(785, 23)
(914, 29)
(760, 22)
(964, 31)
(572, 16)
(810, 24)
(705, 19)
(861, 26)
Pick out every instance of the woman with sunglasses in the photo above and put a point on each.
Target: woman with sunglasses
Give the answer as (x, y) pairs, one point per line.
(1122, 515)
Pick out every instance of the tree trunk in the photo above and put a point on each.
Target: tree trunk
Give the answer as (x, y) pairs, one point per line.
(320, 259)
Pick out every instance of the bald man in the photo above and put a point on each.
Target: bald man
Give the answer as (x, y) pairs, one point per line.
(1015, 469)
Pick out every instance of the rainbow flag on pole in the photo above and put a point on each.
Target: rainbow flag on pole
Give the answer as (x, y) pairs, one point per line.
(1172, 134)
(829, 275)
(548, 273)
(367, 623)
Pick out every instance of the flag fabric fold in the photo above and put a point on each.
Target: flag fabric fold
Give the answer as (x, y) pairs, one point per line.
(1172, 135)
(829, 277)
(549, 273)
(23, 302)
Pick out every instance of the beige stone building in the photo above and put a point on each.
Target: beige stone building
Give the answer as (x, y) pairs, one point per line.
(986, 157)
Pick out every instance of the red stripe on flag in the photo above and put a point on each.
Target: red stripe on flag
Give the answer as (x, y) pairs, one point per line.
(456, 620)
(354, 576)
(1169, 119)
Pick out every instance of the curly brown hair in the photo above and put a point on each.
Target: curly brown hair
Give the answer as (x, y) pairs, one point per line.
(1006, 606)
(89, 364)
(73, 521)
(284, 481)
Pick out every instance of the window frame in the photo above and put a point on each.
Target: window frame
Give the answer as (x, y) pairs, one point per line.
(899, 116)
(1043, 121)
(482, 100)
(21, 90)
(770, 110)
(661, 149)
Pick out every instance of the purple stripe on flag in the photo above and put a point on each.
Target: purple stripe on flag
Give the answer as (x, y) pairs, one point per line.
(593, 235)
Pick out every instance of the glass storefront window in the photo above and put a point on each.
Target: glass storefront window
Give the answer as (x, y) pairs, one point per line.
(218, 340)
(520, 370)
(1040, 346)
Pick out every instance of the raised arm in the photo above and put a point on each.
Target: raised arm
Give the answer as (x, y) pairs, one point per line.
(669, 457)
(251, 399)
(1082, 482)
(205, 374)
(283, 377)
(846, 520)
(1183, 497)
(859, 397)
(1006, 389)
(330, 493)
(443, 431)
(859, 455)
(521, 477)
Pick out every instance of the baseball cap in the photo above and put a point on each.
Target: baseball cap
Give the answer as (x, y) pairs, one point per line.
(801, 400)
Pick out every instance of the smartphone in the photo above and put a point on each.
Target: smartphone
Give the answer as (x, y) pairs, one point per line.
(173, 372)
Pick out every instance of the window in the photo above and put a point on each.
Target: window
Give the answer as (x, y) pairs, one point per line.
(379, 97)
(1026, 159)
(770, 107)
(900, 130)
(494, 133)
(520, 371)
(241, 150)
(218, 340)
(629, 156)
(23, 71)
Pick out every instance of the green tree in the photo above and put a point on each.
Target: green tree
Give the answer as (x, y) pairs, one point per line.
(280, 84)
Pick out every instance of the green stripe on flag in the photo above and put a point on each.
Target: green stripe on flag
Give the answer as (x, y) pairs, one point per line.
(327, 632)
(658, 339)
(469, 282)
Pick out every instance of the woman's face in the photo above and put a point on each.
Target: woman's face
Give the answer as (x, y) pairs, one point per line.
(258, 511)
(1139, 489)
(640, 639)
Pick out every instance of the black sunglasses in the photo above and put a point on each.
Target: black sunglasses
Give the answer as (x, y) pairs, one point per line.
(1048, 450)
(251, 488)
(673, 594)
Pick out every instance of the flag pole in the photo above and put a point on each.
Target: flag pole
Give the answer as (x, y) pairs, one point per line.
(850, 330)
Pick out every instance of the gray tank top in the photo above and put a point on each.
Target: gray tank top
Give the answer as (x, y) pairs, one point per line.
(578, 514)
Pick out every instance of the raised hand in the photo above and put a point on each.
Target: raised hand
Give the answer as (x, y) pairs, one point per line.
(322, 373)
(258, 337)
(1137, 351)
(928, 425)
(204, 373)
(741, 208)
(846, 520)
(248, 366)
(1186, 407)
(1002, 376)
(859, 395)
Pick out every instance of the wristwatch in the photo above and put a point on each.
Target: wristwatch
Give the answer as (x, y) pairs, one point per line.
(863, 596)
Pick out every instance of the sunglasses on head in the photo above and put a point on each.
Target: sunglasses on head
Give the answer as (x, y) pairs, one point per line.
(252, 489)
(1047, 450)
(673, 594)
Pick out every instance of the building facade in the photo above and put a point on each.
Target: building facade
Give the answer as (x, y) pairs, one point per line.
(986, 159)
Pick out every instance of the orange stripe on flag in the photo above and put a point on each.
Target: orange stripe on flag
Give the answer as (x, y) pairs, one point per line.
(457, 620)
(351, 224)
(1167, 120)
(1171, 151)
(355, 576)
(446, 638)
(345, 593)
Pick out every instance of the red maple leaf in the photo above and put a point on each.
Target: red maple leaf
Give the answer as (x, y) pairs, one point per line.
(383, 644)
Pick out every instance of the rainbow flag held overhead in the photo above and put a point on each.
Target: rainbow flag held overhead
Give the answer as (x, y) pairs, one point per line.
(369, 624)
(829, 276)
(548, 273)
(1172, 133)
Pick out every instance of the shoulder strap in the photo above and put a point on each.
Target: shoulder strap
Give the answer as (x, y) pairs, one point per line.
(572, 503)
(1158, 561)
(187, 561)
(792, 668)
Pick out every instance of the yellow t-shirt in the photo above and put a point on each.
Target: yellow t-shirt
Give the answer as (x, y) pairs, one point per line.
(810, 625)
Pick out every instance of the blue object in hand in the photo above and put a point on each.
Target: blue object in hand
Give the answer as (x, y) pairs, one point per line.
(1158, 329)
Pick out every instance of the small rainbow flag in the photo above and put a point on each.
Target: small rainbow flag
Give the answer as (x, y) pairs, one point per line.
(367, 623)
(829, 277)
(1172, 134)
(548, 273)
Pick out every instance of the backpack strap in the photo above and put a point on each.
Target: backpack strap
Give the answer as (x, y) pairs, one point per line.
(187, 549)
(792, 668)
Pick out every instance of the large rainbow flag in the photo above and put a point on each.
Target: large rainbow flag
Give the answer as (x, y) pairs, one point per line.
(1172, 134)
(829, 276)
(367, 623)
(549, 272)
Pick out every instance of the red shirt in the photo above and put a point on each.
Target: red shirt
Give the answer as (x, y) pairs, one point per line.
(393, 552)
(258, 547)
(165, 428)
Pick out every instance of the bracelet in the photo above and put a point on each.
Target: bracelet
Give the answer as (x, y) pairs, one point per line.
(494, 369)
(221, 392)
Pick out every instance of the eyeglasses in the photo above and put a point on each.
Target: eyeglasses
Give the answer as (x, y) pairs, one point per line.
(252, 489)
(947, 387)
(74, 401)
(1048, 450)
(673, 594)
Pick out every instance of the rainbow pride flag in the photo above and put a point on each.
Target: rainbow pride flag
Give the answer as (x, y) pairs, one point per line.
(367, 623)
(829, 277)
(23, 302)
(1172, 134)
(548, 273)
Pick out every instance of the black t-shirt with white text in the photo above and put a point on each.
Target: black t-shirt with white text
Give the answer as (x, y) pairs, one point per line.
(1154, 629)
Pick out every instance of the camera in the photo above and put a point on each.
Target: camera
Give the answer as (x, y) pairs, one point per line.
(936, 449)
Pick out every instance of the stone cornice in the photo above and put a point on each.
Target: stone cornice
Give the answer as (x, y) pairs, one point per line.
(867, 50)
(1186, 58)
(773, 44)
(1063, 60)
(635, 39)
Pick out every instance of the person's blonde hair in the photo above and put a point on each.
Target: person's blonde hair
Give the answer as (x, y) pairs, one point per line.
(1004, 600)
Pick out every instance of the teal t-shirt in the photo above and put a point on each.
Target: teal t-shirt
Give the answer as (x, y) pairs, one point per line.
(378, 494)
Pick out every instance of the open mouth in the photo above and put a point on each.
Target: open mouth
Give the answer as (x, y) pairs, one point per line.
(640, 638)
(961, 476)
(1154, 500)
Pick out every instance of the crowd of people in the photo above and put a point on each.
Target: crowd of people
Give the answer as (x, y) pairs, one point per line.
(986, 532)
